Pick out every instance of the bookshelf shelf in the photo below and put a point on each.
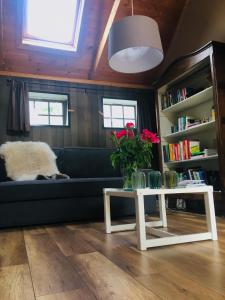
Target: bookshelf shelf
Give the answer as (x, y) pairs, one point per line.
(193, 159)
(190, 102)
(192, 130)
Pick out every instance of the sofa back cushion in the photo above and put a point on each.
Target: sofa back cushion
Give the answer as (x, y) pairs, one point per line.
(86, 162)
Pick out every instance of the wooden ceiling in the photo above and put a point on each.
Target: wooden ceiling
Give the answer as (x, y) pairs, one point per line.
(80, 65)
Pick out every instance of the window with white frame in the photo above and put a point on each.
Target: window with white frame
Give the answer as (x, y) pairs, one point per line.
(52, 23)
(48, 109)
(118, 112)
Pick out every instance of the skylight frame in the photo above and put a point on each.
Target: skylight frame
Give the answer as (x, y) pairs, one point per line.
(72, 46)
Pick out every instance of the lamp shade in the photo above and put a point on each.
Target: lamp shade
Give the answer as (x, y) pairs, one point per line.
(134, 45)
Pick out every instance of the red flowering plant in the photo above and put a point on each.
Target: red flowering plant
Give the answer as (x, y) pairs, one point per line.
(133, 150)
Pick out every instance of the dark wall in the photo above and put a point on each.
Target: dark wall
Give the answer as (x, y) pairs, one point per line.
(86, 124)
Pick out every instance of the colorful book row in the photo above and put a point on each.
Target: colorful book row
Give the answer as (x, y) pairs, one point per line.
(182, 150)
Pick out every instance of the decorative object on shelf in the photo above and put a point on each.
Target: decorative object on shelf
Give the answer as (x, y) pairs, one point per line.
(154, 179)
(138, 180)
(133, 150)
(134, 44)
(170, 179)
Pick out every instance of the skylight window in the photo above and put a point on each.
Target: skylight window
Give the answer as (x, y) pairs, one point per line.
(53, 23)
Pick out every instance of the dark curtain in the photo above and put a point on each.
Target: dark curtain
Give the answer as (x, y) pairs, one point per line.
(146, 111)
(18, 112)
(147, 120)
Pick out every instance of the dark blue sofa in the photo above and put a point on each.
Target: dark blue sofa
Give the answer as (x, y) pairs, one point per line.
(79, 198)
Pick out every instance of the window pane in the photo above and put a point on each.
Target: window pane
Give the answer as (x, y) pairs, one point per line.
(107, 111)
(38, 120)
(56, 108)
(35, 118)
(117, 123)
(129, 121)
(41, 108)
(51, 20)
(107, 123)
(56, 121)
(129, 112)
(117, 111)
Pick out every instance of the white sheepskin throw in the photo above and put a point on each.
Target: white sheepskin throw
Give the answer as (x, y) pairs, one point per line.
(26, 160)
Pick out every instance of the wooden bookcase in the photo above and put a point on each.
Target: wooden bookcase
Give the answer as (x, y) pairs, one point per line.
(202, 71)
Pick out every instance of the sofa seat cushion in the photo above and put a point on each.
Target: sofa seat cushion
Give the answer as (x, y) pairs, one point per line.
(12, 191)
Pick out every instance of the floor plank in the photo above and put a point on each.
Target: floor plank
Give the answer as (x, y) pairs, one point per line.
(203, 271)
(12, 248)
(172, 286)
(51, 271)
(80, 294)
(15, 283)
(34, 230)
(107, 281)
(69, 242)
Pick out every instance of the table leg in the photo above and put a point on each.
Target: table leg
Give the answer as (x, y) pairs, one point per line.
(210, 214)
(162, 210)
(107, 213)
(140, 221)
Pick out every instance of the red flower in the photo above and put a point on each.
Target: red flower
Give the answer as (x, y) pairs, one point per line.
(121, 133)
(124, 132)
(130, 125)
(149, 136)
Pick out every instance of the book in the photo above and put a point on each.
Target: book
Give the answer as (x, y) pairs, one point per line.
(171, 151)
(194, 147)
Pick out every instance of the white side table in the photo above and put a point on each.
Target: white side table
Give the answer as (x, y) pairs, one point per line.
(165, 237)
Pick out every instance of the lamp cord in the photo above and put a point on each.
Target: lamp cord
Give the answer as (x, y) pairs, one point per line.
(132, 7)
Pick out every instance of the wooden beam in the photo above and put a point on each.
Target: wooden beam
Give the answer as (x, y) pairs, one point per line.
(75, 80)
(106, 33)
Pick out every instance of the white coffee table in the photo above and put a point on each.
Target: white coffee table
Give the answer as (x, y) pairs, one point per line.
(165, 238)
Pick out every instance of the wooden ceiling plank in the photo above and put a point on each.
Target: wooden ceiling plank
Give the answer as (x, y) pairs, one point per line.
(74, 80)
(106, 33)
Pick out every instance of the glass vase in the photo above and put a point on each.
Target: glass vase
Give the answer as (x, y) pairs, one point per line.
(127, 182)
(138, 180)
(170, 179)
(154, 179)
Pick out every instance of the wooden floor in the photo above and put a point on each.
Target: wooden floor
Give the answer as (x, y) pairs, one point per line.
(79, 261)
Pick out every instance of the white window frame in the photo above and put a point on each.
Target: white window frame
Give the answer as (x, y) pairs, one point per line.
(51, 98)
(119, 102)
(35, 41)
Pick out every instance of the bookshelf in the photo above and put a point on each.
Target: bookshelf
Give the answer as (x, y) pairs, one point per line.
(191, 113)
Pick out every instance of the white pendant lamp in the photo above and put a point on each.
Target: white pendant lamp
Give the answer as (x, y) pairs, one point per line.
(134, 44)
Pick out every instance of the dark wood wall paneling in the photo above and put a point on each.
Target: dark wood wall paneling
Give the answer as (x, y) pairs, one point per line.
(86, 124)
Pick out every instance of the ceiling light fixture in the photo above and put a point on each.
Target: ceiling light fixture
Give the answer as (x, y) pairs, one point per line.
(134, 44)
